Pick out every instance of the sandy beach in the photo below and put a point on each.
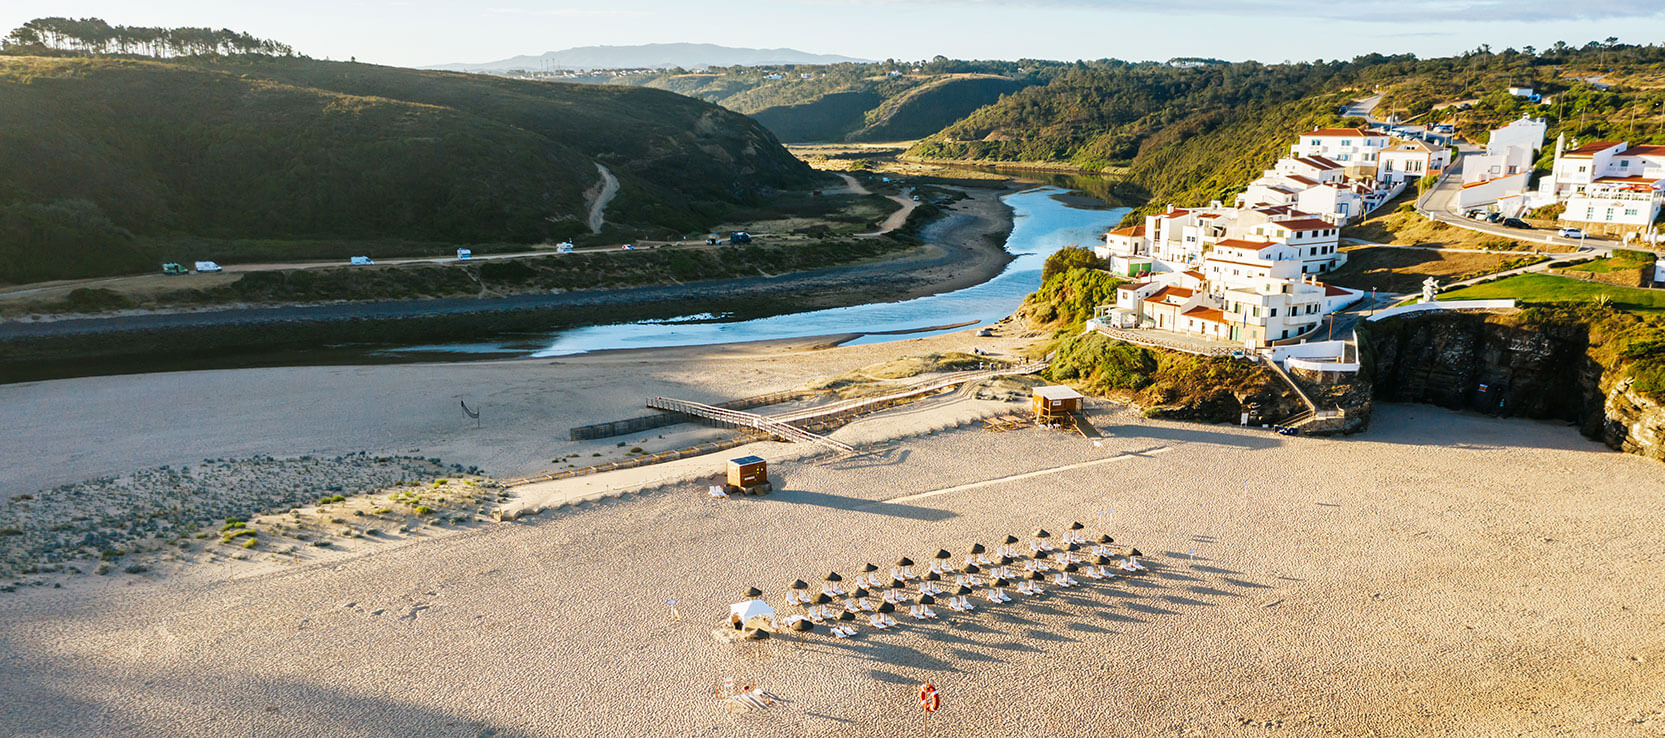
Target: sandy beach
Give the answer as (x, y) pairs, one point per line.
(1448, 574)
(1444, 573)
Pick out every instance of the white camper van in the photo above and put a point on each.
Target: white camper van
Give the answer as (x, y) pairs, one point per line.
(464, 254)
(362, 261)
(565, 247)
(207, 266)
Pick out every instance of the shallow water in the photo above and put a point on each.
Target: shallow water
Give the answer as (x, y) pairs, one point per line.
(1041, 225)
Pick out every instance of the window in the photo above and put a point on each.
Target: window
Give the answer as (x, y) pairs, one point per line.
(1581, 169)
(1274, 313)
(1630, 211)
(1610, 213)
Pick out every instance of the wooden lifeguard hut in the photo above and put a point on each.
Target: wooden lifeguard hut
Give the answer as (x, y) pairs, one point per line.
(749, 475)
(1055, 403)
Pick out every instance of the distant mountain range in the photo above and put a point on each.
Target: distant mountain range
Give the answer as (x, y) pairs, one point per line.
(650, 56)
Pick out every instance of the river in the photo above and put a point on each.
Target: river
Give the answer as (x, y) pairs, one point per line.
(1041, 224)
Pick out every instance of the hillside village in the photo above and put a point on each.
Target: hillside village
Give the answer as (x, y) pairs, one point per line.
(1249, 274)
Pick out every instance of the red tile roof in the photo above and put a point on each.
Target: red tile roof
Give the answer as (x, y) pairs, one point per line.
(1163, 294)
(1304, 180)
(1585, 151)
(1238, 263)
(1134, 231)
(1331, 290)
(1644, 150)
(1209, 314)
(1317, 162)
(1337, 132)
(1238, 243)
(1304, 224)
(1627, 180)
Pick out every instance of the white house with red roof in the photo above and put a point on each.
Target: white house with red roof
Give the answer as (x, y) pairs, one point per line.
(1349, 147)
(1411, 160)
(1609, 187)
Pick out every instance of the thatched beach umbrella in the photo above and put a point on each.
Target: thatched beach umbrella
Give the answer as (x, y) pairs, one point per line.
(1037, 576)
(846, 616)
(833, 577)
(904, 561)
(932, 576)
(1041, 533)
(1000, 582)
(1106, 539)
(868, 567)
(977, 548)
(1005, 561)
(1070, 566)
(1137, 552)
(1101, 560)
(803, 625)
(753, 593)
(860, 592)
(972, 569)
(886, 607)
(962, 590)
(942, 553)
(799, 584)
(1076, 525)
(927, 600)
(1010, 540)
(1040, 555)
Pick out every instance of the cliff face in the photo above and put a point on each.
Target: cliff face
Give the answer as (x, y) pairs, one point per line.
(1476, 362)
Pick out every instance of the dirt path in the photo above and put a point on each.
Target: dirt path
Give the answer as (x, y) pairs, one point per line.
(598, 203)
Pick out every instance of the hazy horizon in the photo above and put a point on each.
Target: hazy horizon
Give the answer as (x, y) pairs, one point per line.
(418, 33)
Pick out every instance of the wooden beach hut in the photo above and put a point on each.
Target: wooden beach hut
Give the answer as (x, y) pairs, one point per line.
(749, 475)
(1055, 403)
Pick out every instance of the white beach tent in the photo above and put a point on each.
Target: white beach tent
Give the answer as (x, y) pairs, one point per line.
(741, 613)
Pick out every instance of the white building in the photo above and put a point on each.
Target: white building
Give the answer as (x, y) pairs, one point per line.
(1609, 187)
(1411, 160)
(1349, 147)
(1526, 133)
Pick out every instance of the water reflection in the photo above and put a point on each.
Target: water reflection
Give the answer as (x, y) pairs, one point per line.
(1041, 225)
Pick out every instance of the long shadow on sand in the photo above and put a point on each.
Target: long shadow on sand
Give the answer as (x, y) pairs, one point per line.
(1191, 435)
(858, 504)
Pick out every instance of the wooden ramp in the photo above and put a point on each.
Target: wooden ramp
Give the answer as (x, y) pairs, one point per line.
(1084, 426)
(741, 419)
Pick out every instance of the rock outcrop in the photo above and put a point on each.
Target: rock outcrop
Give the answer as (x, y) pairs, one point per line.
(1494, 365)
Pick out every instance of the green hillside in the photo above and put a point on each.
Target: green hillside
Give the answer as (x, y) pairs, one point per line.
(855, 102)
(107, 160)
(1188, 135)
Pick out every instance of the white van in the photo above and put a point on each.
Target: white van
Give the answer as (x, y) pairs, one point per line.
(565, 247)
(464, 254)
(362, 261)
(207, 266)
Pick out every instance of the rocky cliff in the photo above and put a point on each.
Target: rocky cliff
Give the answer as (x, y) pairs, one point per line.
(1504, 366)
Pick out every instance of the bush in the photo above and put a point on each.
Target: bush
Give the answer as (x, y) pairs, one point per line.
(1102, 365)
(1067, 258)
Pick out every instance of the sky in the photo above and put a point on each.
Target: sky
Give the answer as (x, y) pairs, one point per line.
(427, 32)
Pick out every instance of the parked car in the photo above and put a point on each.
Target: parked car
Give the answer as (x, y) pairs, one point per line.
(465, 254)
(207, 266)
(739, 237)
(172, 268)
(1570, 233)
(1515, 223)
(1494, 217)
(564, 247)
(629, 247)
(1475, 214)
(361, 261)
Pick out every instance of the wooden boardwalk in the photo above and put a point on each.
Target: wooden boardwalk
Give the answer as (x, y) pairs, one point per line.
(742, 419)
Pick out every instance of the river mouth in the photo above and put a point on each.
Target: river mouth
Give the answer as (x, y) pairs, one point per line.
(1044, 220)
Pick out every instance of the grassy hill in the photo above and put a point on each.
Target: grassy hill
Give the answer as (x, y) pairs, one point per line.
(855, 102)
(110, 160)
(1190, 135)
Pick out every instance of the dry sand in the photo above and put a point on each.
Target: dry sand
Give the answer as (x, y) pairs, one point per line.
(1445, 574)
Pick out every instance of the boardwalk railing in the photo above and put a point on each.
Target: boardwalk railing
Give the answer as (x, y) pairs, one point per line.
(740, 419)
(848, 407)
